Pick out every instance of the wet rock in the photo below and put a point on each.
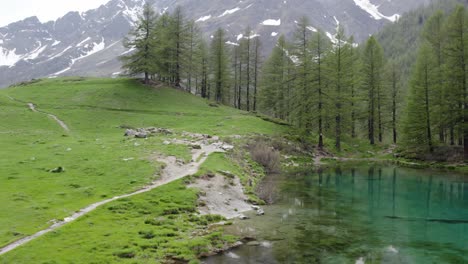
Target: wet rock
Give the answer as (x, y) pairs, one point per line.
(243, 217)
(256, 207)
(260, 212)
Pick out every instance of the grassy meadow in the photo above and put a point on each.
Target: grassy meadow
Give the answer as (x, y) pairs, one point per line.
(100, 163)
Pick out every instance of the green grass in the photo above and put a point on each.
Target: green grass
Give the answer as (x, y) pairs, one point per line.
(93, 153)
(148, 228)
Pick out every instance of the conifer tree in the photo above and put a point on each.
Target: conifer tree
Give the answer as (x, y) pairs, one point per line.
(434, 34)
(303, 93)
(220, 61)
(143, 40)
(418, 124)
(372, 83)
(456, 53)
(274, 95)
(319, 47)
(340, 65)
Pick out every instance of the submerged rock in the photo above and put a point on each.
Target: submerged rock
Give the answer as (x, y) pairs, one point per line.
(253, 243)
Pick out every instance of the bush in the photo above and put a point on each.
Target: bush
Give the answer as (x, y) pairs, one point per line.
(266, 156)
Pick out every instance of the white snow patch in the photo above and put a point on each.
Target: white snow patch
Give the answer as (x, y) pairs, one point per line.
(82, 42)
(204, 18)
(56, 43)
(230, 11)
(239, 37)
(96, 48)
(254, 36)
(128, 51)
(274, 34)
(131, 14)
(336, 21)
(1, 41)
(312, 29)
(8, 57)
(60, 54)
(60, 72)
(35, 53)
(373, 10)
(232, 43)
(272, 22)
(332, 37)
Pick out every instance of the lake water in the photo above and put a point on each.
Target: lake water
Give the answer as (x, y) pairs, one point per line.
(366, 214)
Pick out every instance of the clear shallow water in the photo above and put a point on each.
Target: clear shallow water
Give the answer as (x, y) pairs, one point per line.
(361, 215)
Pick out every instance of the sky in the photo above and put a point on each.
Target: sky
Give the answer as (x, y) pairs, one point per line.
(45, 10)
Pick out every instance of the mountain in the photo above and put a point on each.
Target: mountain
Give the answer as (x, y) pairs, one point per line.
(89, 43)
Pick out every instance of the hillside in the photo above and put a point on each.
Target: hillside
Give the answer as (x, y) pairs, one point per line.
(99, 162)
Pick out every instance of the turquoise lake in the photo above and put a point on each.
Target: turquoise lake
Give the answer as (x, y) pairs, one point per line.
(365, 214)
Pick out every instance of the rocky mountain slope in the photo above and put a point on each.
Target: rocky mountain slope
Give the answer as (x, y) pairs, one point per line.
(89, 43)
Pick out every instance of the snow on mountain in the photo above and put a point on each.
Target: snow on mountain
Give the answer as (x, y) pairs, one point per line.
(89, 43)
(272, 22)
(373, 10)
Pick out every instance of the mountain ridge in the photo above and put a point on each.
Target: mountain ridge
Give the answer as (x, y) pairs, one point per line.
(89, 43)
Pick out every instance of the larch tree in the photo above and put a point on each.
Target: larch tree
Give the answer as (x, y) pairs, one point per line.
(418, 124)
(434, 34)
(219, 64)
(456, 53)
(339, 68)
(319, 47)
(142, 39)
(373, 63)
(274, 82)
(303, 56)
(180, 36)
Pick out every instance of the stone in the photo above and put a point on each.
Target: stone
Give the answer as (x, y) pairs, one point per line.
(141, 135)
(227, 147)
(57, 170)
(253, 243)
(196, 146)
(130, 133)
(260, 212)
(243, 217)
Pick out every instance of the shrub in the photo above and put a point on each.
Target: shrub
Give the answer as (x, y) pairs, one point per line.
(266, 156)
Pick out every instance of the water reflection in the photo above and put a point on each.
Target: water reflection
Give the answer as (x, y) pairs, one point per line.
(376, 214)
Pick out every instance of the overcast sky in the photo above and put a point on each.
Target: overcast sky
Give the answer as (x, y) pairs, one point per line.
(45, 10)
